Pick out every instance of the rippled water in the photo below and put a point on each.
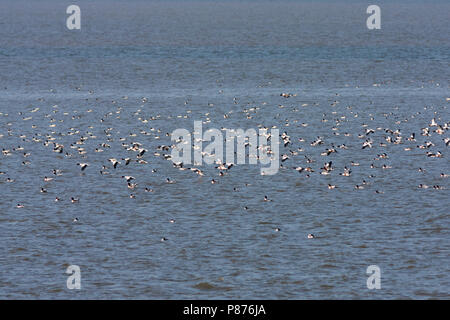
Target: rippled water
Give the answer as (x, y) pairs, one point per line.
(199, 61)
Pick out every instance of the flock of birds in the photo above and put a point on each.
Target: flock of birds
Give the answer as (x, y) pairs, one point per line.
(295, 152)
